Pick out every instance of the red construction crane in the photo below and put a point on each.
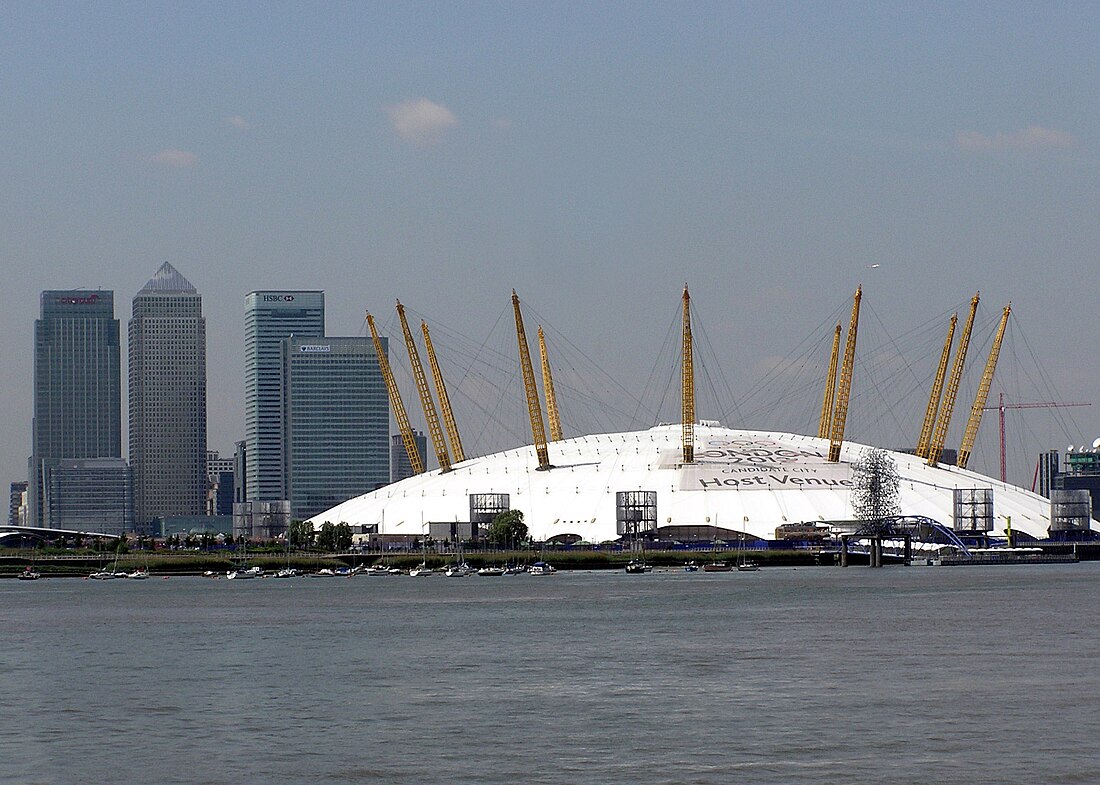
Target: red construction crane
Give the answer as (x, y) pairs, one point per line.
(1001, 406)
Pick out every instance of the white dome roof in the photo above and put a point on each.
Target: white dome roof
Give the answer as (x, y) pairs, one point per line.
(750, 481)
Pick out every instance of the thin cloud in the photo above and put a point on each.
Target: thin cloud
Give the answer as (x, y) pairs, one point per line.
(420, 121)
(503, 123)
(238, 122)
(178, 159)
(1031, 138)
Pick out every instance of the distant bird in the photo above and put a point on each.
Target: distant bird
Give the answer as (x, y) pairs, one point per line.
(874, 266)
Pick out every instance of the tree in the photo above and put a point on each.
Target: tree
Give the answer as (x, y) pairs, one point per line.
(326, 540)
(300, 534)
(875, 494)
(507, 529)
(343, 536)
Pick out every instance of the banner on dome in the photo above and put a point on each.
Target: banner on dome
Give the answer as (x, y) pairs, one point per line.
(757, 465)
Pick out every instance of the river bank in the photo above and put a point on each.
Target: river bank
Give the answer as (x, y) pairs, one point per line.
(13, 562)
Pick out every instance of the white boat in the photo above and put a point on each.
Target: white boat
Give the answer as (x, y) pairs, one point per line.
(29, 574)
(139, 575)
(251, 572)
(102, 575)
(287, 572)
(636, 566)
(541, 568)
(491, 571)
(421, 570)
(459, 570)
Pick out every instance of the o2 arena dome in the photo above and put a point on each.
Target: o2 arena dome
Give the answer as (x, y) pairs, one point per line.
(749, 482)
(693, 482)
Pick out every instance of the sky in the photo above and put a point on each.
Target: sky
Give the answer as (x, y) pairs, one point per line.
(594, 157)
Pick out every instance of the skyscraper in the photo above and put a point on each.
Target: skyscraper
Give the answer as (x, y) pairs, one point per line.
(337, 422)
(77, 387)
(168, 398)
(271, 316)
(400, 465)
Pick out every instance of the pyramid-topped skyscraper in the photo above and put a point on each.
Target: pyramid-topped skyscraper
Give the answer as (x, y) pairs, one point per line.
(168, 398)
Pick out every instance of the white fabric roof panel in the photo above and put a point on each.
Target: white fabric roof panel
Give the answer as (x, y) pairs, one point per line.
(751, 481)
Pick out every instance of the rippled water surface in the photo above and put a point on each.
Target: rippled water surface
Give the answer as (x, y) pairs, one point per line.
(810, 675)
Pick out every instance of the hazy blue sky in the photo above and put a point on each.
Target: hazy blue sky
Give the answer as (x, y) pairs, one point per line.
(593, 156)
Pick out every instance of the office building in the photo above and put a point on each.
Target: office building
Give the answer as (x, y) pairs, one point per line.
(337, 422)
(219, 484)
(17, 504)
(270, 317)
(1081, 472)
(167, 371)
(400, 465)
(89, 495)
(77, 386)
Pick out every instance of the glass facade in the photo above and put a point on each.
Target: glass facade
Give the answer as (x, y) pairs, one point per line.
(270, 317)
(77, 385)
(337, 422)
(89, 495)
(167, 371)
(400, 465)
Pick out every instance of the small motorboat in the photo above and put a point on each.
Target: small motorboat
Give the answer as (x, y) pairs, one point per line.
(717, 566)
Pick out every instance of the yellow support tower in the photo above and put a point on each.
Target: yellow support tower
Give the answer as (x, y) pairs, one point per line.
(843, 393)
(395, 401)
(937, 392)
(823, 427)
(534, 406)
(971, 432)
(425, 394)
(687, 385)
(939, 436)
(444, 399)
(548, 390)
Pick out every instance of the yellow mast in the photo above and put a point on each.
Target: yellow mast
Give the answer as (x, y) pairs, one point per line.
(425, 394)
(444, 399)
(823, 427)
(534, 406)
(937, 392)
(939, 436)
(687, 385)
(843, 393)
(971, 432)
(548, 390)
(395, 401)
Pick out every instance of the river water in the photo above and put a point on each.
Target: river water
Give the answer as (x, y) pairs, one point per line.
(808, 675)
